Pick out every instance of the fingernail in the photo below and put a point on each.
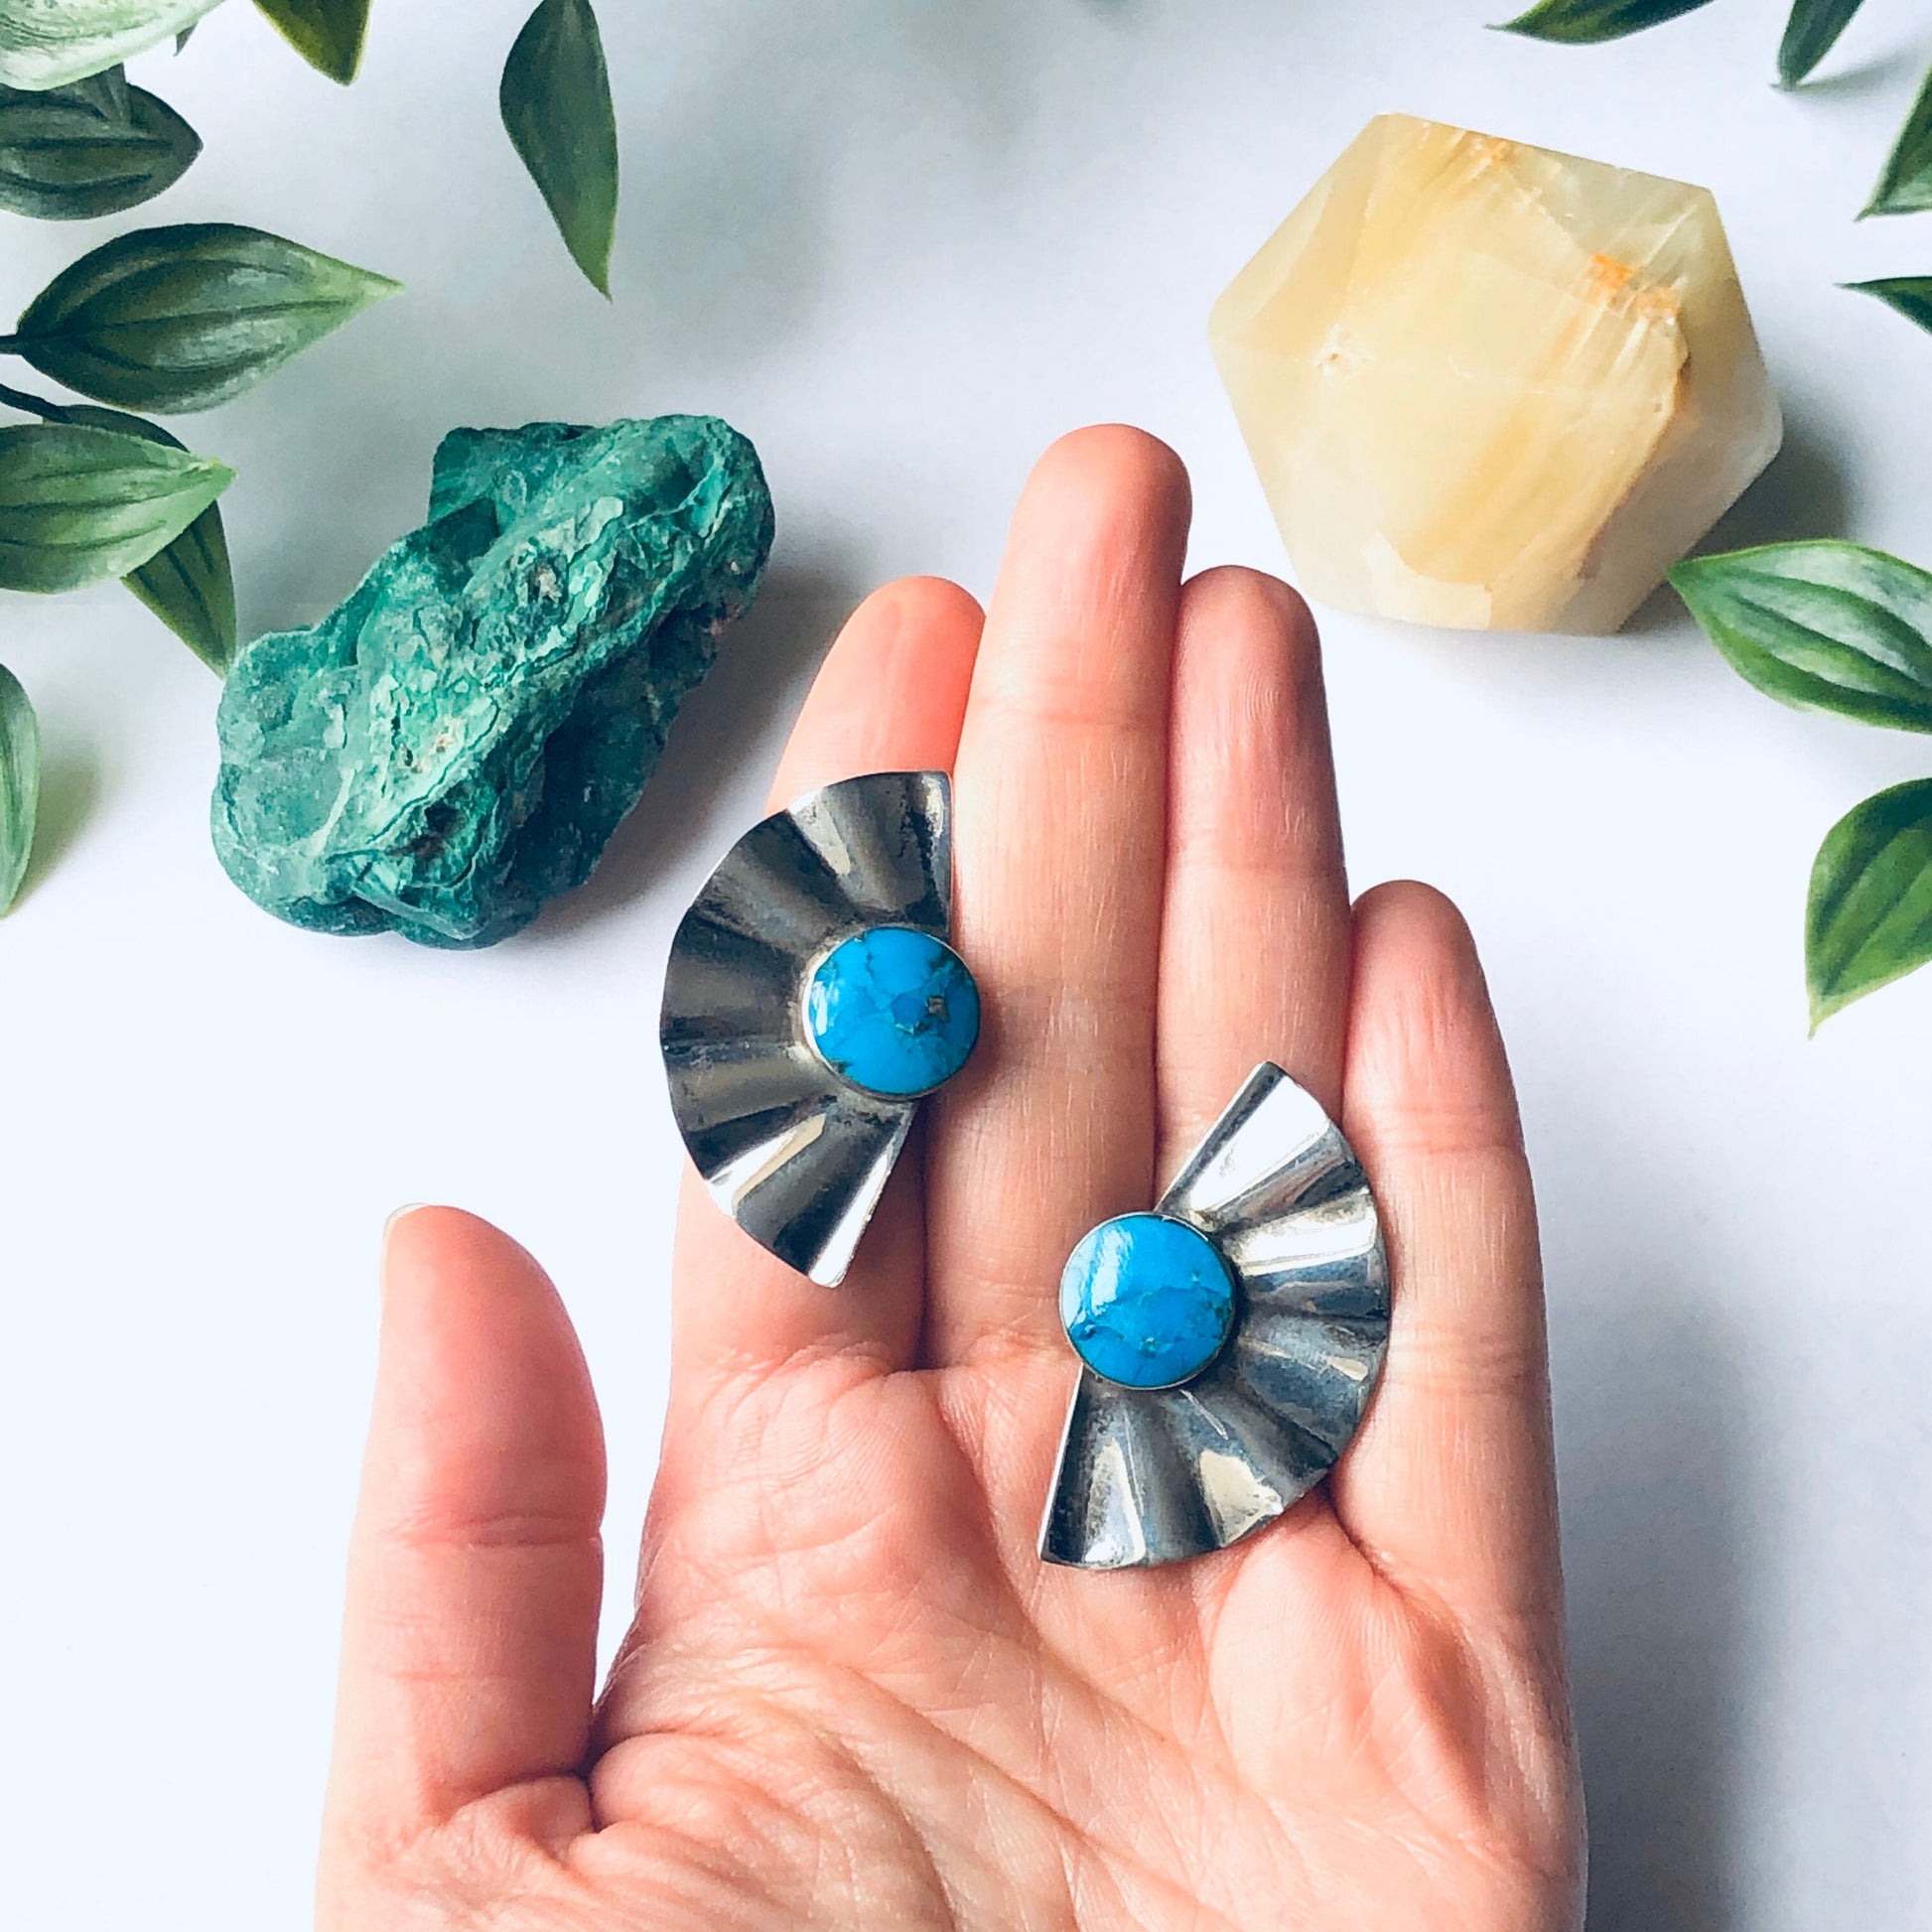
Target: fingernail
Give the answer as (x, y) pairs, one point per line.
(389, 1228)
(408, 1207)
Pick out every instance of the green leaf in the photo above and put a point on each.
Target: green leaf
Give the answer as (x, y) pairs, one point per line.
(189, 586)
(20, 785)
(80, 504)
(1905, 187)
(1910, 295)
(70, 154)
(1824, 627)
(107, 92)
(1583, 22)
(47, 43)
(328, 33)
(1810, 34)
(1869, 917)
(557, 106)
(181, 319)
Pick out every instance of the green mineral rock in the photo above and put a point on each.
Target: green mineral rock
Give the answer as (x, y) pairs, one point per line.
(456, 743)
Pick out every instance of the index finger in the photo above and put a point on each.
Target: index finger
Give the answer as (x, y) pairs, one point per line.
(888, 697)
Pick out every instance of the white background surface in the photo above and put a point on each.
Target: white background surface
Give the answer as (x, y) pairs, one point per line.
(903, 243)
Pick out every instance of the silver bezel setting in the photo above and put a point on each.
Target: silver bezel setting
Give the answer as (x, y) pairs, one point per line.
(793, 1152)
(1151, 1477)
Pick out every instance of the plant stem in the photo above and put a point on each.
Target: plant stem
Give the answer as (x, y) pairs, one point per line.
(50, 412)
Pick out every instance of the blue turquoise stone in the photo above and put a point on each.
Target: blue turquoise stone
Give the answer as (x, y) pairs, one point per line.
(1146, 1301)
(893, 1010)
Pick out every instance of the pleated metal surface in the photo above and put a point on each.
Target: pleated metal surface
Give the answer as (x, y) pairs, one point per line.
(1148, 1478)
(794, 1154)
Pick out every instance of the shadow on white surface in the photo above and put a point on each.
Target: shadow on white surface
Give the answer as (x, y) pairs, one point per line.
(71, 789)
(1803, 495)
(737, 175)
(1655, 1575)
(765, 664)
(1884, 71)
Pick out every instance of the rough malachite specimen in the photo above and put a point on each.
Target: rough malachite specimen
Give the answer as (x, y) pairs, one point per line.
(455, 743)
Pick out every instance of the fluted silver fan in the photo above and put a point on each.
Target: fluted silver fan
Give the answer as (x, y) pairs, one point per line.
(796, 1155)
(1150, 1477)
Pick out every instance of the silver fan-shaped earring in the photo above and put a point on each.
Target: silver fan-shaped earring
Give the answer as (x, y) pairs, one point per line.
(1229, 1340)
(812, 998)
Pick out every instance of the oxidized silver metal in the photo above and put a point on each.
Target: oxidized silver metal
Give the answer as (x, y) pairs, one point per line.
(1151, 1476)
(795, 1155)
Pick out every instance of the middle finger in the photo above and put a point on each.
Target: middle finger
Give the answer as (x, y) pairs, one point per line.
(1061, 803)
(1255, 936)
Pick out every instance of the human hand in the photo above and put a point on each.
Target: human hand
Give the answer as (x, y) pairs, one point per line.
(853, 1695)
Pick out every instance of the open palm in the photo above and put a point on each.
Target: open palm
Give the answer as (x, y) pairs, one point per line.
(853, 1696)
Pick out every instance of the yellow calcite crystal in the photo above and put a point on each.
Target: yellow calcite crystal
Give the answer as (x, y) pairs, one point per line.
(1491, 387)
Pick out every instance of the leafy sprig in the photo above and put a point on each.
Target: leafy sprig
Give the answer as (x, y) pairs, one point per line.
(1835, 627)
(167, 320)
(1827, 626)
(174, 319)
(556, 99)
(1810, 33)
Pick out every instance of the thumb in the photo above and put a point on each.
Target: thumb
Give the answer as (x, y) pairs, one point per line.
(476, 1569)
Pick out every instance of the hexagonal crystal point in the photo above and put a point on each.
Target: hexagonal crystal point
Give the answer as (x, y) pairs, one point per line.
(1491, 387)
